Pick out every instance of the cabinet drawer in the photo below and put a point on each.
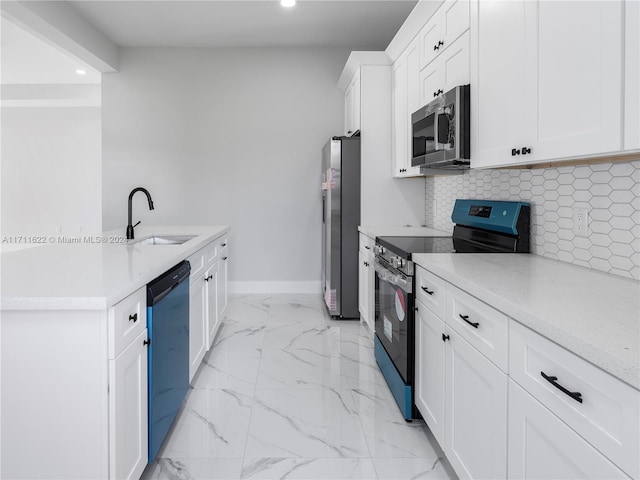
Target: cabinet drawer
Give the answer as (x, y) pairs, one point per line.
(430, 290)
(481, 325)
(210, 253)
(127, 319)
(608, 416)
(197, 265)
(366, 244)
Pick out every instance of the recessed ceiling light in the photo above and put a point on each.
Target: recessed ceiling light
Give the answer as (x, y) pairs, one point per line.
(81, 71)
(287, 3)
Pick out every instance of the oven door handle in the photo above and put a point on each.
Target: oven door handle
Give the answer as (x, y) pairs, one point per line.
(396, 279)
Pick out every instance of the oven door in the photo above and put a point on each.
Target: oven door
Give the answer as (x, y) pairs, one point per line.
(394, 318)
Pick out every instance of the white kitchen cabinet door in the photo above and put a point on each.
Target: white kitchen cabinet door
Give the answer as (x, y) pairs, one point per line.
(632, 76)
(352, 105)
(544, 88)
(430, 370)
(223, 275)
(363, 286)
(447, 24)
(476, 412)
(400, 118)
(574, 78)
(212, 321)
(197, 324)
(406, 100)
(541, 446)
(128, 441)
(498, 72)
(431, 84)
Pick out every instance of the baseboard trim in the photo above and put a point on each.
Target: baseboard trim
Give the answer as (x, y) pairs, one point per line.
(274, 287)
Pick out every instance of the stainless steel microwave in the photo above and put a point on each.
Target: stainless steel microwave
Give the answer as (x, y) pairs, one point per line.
(440, 132)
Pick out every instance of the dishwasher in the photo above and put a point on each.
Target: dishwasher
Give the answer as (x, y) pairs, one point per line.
(168, 329)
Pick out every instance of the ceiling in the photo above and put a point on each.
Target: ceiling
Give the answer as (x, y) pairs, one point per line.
(352, 24)
(27, 60)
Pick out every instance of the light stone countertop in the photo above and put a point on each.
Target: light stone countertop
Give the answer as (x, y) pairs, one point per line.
(91, 275)
(373, 231)
(593, 314)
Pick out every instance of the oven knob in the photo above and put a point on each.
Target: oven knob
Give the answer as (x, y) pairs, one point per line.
(395, 262)
(379, 249)
(400, 262)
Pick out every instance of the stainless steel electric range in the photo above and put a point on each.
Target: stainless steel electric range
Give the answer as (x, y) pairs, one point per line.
(481, 226)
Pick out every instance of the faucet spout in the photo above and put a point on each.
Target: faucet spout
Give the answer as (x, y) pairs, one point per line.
(130, 234)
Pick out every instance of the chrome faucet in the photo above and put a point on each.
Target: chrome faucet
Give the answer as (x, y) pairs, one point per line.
(130, 227)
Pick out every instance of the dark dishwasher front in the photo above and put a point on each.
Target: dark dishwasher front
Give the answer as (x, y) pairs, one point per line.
(168, 325)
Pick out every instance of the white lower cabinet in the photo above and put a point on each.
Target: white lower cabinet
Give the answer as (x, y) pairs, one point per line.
(128, 411)
(462, 397)
(212, 320)
(366, 281)
(541, 446)
(475, 411)
(197, 325)
(430, 370)
(505, 402)
(208, 299)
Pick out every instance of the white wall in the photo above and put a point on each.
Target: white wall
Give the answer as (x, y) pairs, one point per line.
(50, 171)
(226, 136)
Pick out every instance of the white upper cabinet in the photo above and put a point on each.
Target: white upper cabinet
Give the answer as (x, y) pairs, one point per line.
(352, 105)
(449, 70)
(406, 100)
(436, 60)
(449, 22)
(632, 76)
(545, 88)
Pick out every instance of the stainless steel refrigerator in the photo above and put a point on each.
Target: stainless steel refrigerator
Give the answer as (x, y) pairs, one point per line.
(340, 220)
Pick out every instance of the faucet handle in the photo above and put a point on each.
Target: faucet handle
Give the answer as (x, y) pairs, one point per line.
(137, 224)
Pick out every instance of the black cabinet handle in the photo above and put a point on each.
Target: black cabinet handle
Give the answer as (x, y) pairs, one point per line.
(525, 150)
(515, 152)
(133, 318)
(438, 45)
(206, 279)
(224, 258)
(146, 342)
(349, 132)
(445, 337)
(427, 290)
(224, 244)
(577, 396)
(367, 247)
(466, 319)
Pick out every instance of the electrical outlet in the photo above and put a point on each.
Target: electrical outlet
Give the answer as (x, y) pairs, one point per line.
(580, 221)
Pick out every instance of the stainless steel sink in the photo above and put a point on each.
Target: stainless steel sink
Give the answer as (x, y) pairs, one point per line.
(164, 240)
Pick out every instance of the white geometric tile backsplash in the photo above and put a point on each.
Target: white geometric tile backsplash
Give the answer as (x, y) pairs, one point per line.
(610, 191)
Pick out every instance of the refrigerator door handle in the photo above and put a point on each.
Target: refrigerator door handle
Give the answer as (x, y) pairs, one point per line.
(324, 200)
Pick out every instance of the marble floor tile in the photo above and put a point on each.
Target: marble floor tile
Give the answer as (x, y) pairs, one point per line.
(212, 424)
(413, 468)
(308, 468)
(194, 469)
(307, 423)
(235, 368)
(288, 392)
(301, 368)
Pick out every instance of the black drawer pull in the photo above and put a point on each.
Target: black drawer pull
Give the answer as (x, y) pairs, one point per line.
(224, 244)
(430, 292)
(466, 319)
(577, 396)
(224, 258)
(133, 318)
(146, 342)
(445, 337)
(206, 279)
(367, 247)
